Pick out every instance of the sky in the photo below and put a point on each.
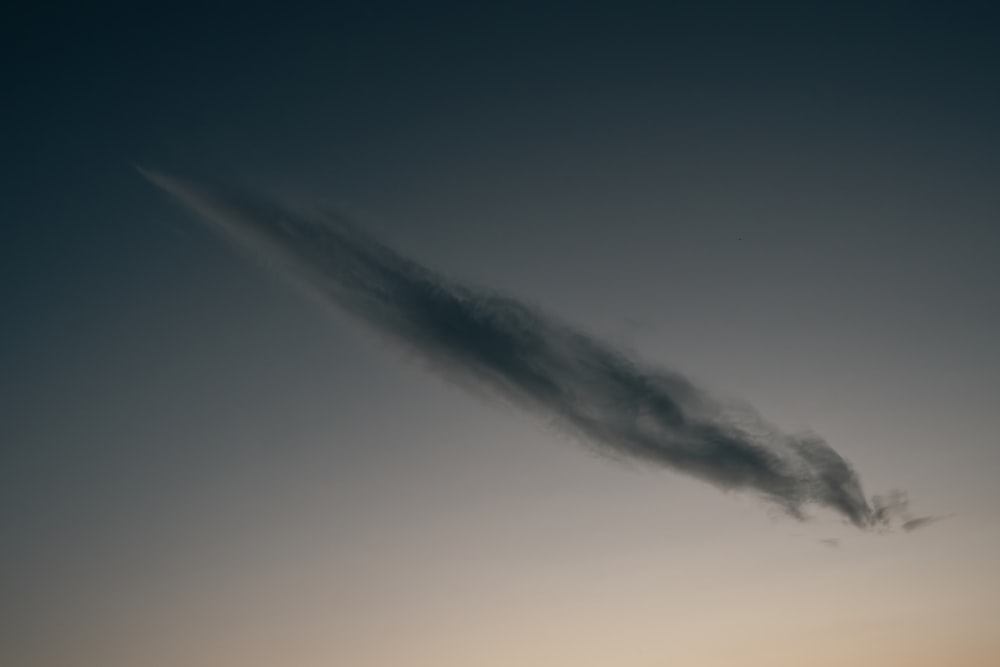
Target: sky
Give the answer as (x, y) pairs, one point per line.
(228, 440)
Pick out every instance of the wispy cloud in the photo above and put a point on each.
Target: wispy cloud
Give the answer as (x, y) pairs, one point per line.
(612, 402)
(921, 522)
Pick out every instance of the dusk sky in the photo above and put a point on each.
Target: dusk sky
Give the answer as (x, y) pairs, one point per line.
(623, 330)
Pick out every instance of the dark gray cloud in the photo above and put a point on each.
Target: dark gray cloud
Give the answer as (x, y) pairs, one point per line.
(911, 525)
(612, 402)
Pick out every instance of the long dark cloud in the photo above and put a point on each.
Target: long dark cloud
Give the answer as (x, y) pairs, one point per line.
(610, 401)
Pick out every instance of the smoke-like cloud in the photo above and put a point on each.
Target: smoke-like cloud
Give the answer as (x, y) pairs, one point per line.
(911, 525)
(613, 403)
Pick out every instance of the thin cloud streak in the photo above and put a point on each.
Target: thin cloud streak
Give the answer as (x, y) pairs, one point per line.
(611, 402)
(921, 522)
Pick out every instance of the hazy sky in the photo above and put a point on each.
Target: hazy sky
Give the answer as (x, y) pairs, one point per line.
(794, 206)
